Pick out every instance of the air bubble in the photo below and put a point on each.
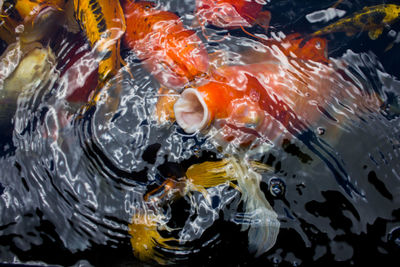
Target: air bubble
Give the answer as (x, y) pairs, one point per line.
(276, 187)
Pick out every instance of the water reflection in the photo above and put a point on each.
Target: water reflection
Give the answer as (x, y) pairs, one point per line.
(74, 181)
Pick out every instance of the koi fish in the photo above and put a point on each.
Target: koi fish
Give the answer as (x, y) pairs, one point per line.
(372, 19)
(104, 24)
(146, 238)
(232, 13)
(173, 54)
(265, 101)
(147, 224)
(258, 217)
(36, 17)
(22, 68)
(315, 48)
(292, 46)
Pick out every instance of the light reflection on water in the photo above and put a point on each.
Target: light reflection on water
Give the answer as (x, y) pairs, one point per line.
(72, 183)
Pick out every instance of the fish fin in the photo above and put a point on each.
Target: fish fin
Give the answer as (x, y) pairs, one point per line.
(203, 191)
(211, 173)
(374, 34)
(259, 217)
(263, 19)
(390, 46)
(165, 105)
(147, 241)
(235, 187)
(260, 167)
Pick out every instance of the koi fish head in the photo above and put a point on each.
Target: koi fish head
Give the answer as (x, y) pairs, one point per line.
(238, 117)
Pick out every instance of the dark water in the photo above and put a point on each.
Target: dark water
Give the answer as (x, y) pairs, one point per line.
(70, 183)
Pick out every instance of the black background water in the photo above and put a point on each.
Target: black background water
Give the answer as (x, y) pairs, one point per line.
(69, 201)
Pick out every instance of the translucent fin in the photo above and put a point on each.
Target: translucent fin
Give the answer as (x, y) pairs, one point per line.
(71, 23)
(260, 167)
(374, 34)
(145, 239)
(259, 217)
(211, 173)
(165, 105)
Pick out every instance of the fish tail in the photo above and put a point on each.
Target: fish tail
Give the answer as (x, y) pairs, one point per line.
(146, 240)
(211, 173)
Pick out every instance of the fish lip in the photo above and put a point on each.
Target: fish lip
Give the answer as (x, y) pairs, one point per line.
(191, 111)
(45, 11)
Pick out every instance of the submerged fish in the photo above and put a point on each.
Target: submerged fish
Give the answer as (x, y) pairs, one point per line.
(296, 46)
(104, 24)
(173, 54)
(22, 68)
(372, 19)
(266, 100)
(232, 13)
(147, 242)
(258, 216)
(29, 20)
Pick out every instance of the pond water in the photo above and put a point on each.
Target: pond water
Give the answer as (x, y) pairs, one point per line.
(71, 181)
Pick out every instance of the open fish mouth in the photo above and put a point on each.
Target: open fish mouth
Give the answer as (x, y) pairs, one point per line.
(191, 111)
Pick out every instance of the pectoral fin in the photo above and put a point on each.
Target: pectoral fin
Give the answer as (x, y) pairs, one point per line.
(374, 34)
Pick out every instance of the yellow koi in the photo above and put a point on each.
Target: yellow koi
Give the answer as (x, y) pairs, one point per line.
(36, 17)
(372, 19)
(213, 173)
(258, 217)
(146, 238)
(104, 24)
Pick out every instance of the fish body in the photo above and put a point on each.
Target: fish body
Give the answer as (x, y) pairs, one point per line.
(147, 242)
(104, 24)
(242, 106)
(372, 19)
(22, 68)
(231, 13)
(173, 54)
(267, 101)
(38, 18)
(258, 217)
(314, 48)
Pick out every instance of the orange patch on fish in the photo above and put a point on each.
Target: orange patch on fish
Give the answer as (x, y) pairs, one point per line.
(170, 52)
(231, 13)
(314, 48)
(165, 105)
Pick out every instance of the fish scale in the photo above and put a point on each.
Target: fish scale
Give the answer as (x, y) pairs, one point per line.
(104, 23)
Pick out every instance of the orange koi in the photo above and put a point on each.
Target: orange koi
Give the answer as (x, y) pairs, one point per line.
(173, 54)
(315, 48)
(232, 13)
(261, 100)
(104, 23)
